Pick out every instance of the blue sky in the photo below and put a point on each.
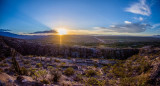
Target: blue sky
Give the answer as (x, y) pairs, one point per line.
(103, 17)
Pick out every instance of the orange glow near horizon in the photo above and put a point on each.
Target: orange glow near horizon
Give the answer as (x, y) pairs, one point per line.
(61, 32)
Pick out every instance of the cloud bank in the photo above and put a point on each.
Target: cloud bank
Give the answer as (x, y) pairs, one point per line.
(126, 28)
(139, 8)
(4, 30)
(46, 31)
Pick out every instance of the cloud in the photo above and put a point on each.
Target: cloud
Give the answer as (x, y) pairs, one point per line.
(126, 28)
(156, 26)
(139, 8)
(138, 18)
(4, 30)
(46, 31)
(127, 22)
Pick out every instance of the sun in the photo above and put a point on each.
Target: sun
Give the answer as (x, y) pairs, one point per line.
(62, 31)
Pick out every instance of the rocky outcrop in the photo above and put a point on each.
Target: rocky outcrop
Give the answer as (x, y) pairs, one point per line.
(27, 81)
(7, 80)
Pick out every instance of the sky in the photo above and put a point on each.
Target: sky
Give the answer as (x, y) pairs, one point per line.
(88, 17)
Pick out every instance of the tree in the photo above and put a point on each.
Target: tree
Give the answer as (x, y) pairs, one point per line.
(15, 63)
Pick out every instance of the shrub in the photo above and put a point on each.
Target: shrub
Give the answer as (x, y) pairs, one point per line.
(112, 82)
(32, 71)
(143, 80)
(118, 71)
(78, 78)
(3, 65)
(38, 65)
(26, 62)
(2, 58)
(24, 71)
(69, 58)
(62, 64)
(35, 76)
(95, 65)
(66, 84)
(104, 68)
(128, 81)
(1, 70)
(90, 73)
(43, 73)
(56, 60)
(40, 74)
(140, 80)
(45, 82)
(55, 75)
(94, 82)
(50, 68)
(69, 71)
(144, 67)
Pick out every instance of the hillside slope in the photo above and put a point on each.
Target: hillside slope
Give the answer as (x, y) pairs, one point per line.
(142, 69)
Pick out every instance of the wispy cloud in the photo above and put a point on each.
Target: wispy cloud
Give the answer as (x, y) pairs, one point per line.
(126, 28)
(138, 18)
(156, 26)
(139, 8)
(127, 22)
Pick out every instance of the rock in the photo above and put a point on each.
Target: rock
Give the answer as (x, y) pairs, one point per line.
(1, 83)
(20, 79)
(6, 80)
(23, 79)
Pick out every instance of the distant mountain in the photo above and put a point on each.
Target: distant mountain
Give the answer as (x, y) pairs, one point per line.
(158, 36)
(9, 34)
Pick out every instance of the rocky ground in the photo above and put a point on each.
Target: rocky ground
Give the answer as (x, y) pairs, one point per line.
(29, 63)
(140, 69)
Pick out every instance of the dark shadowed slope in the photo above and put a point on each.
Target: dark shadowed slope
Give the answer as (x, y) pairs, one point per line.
(34, 48)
